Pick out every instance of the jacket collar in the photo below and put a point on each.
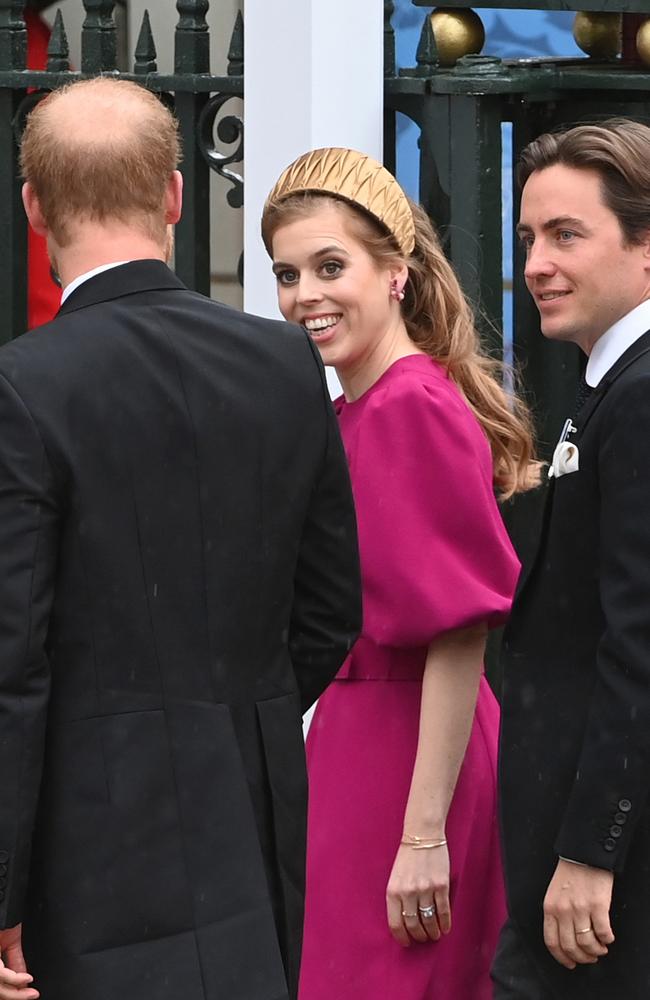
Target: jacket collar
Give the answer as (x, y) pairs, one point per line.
(636, 350)
(127, 279)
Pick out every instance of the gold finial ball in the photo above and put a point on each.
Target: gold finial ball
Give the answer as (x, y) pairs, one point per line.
(457, 33)
(598, 34)
(643, 42)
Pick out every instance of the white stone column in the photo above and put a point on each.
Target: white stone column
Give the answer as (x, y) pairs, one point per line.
(313, 77)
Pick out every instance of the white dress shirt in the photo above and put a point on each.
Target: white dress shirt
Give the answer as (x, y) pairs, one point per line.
(615, 342)
(69, 289)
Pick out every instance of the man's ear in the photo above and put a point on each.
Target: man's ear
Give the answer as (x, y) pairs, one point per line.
(33, 210)
(646, 246)
(174, 198)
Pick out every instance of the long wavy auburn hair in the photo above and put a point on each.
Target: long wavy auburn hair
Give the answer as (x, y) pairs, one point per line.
(440, 321)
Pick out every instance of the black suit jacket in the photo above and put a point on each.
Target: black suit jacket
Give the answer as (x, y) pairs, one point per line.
(575, 739)
(178, 579)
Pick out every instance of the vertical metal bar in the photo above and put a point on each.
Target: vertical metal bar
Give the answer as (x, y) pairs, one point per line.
(522, 514)
(236, 68)
(98, 37)
(192, 39)
(475, 243)
(389, 39)
(13, 34)
(629, 27)
(435, 162)
(390, 69)
(193, 231)
(13, 224)
(192, 56)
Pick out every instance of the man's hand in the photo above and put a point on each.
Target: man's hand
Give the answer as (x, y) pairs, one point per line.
(577, 930)
(15, 981)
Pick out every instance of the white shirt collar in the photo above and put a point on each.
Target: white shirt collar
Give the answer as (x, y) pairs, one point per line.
(69, 289)
(615, 342)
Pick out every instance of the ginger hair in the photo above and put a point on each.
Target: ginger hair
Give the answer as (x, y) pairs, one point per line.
(100, 150)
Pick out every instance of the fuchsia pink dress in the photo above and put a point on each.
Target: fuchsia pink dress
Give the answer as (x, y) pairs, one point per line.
(434, 556)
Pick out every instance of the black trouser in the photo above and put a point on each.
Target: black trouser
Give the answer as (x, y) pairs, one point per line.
(513, 971)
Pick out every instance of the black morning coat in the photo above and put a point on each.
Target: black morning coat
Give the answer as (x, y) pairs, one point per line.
(575, 738)
(178, 579)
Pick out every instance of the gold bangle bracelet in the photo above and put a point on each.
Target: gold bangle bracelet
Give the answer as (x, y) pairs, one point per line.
(420, 844)
(412, 839)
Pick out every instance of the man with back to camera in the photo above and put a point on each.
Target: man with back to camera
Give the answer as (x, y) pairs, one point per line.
(178, 582)
(575, 742)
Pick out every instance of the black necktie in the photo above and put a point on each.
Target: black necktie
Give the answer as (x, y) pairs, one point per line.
(582, 395)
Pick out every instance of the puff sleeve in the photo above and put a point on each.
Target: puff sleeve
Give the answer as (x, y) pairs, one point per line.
(435, 555)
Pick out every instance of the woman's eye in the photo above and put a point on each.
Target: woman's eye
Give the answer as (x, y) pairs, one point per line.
(286, 277)
(331, 268)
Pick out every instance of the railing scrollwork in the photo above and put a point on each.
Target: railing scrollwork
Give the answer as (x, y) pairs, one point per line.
(230, 130)
(196, 96)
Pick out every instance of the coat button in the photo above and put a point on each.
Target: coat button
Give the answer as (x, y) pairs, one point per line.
(3, 882)
(620, 818)
(4, 857)
(615, 831)
(609, 844)
(625, 805)
(2, 895)
(3, 869)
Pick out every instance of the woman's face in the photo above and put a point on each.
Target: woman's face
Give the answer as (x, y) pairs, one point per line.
(329, 283)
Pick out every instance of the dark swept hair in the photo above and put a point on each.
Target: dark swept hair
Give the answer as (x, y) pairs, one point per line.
(618, 150)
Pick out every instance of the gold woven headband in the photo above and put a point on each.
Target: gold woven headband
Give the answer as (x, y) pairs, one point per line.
(356, 178)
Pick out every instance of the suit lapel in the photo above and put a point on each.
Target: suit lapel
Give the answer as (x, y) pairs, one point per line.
(636, 350)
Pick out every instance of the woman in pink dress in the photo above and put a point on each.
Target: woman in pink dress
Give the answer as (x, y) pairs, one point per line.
(404, 888)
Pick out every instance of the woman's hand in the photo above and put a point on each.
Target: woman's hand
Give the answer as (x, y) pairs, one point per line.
(419, 879)
(420, 876)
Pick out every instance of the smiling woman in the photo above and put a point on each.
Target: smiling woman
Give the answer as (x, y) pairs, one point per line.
(326, 263)
(402, 823)
(333, 288)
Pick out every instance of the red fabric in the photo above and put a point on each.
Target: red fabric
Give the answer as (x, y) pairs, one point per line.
(44, 297)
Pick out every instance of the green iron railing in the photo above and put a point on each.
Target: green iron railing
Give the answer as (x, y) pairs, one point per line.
(197, 97)
(459, 109)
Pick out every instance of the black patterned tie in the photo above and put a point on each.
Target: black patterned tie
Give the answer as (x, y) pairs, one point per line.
(582, 395)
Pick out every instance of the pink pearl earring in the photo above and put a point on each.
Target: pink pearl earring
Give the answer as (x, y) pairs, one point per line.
(395, 292)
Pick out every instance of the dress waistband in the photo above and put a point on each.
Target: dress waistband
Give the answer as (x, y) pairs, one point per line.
(371, 662)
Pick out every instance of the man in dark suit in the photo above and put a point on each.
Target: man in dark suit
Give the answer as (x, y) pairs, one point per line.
(178, 582)
(575, 743)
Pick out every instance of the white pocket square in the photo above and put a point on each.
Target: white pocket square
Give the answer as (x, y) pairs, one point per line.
(565, 459)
